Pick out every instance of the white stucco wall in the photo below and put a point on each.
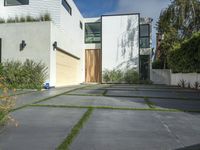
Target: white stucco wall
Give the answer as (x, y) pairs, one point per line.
(188, 77)
(35, 9)
(37, 38)
(120, 34)
(161, 76)
(63, 42)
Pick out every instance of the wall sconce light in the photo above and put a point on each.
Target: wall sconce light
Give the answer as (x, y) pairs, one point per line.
(55, 45)
(22, 45)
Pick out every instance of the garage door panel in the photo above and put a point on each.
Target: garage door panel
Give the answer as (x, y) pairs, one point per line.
(67, 69)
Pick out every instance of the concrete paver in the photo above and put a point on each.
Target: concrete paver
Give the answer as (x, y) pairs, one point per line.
(138, 130)
(29, 98)
(39, 128)
(97, 101)
(176, 104)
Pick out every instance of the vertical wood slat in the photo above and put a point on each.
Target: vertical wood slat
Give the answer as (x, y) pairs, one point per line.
(93, 65)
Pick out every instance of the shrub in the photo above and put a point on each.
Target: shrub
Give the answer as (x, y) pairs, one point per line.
(22, 19)
(196, 85)
(29, 19)
(131, 76)
(158, 64)
(11, 20)
(6, 102)
(185, 57)
(30, 75)
(47, 17)
(113, 76)
(2, 20)
(182, 83)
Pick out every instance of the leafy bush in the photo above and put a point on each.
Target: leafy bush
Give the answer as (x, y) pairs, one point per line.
(158, 64)
(185, 57)
(11, 20)
(112, 76)
(30, 75)
(2, 20)
(47, 17)
(196, 85)
(6, 102)
(131, 76)
(22, 19)
(117, 76)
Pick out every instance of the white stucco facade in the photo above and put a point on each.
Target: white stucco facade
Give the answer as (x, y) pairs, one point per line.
(120, 41)
(65, 29)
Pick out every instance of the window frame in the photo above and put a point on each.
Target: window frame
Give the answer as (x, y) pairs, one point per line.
(16, 4)
(86, 42)
(70, 8)
(81, 25)
(149, 32)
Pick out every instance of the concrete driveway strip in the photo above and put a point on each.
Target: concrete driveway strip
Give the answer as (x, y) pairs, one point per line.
(122, 102)
(126, 130)
(30, 98)
(39, 128)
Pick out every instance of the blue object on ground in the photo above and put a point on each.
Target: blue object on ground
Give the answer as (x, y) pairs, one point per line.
(46, 86)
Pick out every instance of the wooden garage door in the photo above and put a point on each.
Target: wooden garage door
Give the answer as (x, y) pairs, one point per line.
(93, 66)
(67, 69)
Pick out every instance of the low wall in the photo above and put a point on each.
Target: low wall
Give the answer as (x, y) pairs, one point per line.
(161, 76)
(188, 77)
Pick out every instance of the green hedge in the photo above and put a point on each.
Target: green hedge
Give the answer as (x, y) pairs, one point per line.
(185, 57)
(27, 75)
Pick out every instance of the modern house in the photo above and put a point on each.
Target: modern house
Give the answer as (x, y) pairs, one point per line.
(75, 49)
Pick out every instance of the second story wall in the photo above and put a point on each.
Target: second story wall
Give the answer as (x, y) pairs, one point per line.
(71, 26)
(35, 8)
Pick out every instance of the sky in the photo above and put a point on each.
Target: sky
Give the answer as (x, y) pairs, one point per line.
(146, 8)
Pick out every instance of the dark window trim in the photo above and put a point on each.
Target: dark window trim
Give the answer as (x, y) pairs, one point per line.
(16, 4)
(100, 33)
(149, 34)
(81, 25)
(70, 8)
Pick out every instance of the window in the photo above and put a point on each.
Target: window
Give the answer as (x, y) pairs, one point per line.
(93, 32)
(81, 25)
(144, 42)
(15, 2)
(67, 6)
(144, 36)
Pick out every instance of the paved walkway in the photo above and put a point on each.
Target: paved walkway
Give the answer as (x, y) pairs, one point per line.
(125, 117)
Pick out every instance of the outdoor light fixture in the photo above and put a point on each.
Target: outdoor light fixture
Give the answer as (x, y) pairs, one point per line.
(22, 45)
(55, 45)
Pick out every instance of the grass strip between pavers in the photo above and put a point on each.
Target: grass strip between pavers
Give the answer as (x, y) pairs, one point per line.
(116, 108)
(149, 103)
(48, 98)
(75, 130)
(172, 98)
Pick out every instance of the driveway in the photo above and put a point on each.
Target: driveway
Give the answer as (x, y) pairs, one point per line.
(105, 117)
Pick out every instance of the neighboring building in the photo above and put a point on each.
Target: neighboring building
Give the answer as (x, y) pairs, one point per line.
(75, 49)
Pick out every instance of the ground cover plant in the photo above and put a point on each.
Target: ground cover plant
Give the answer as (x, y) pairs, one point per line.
(24, 75)
(129, 76)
